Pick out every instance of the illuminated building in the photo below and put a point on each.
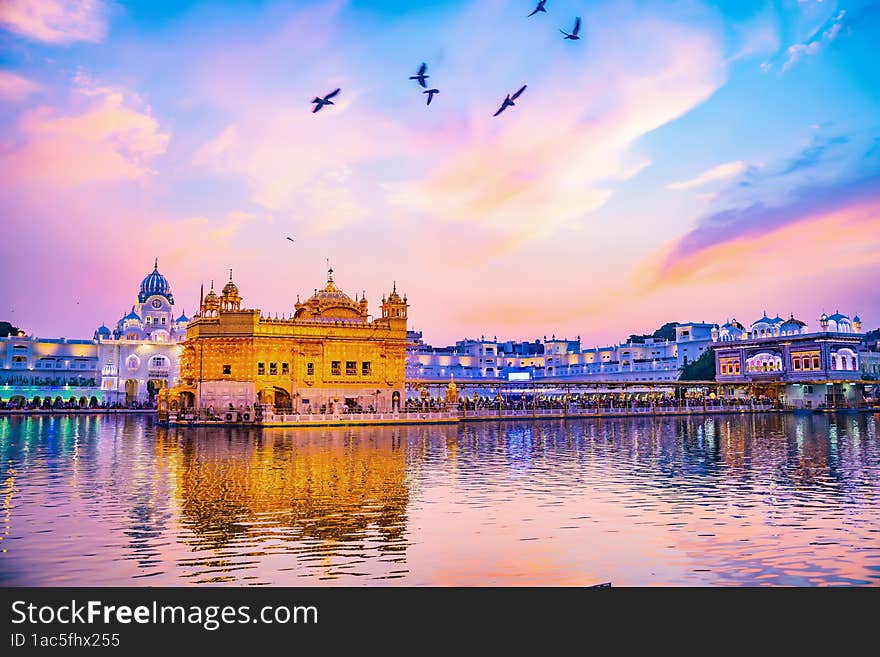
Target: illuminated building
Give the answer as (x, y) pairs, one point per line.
(151, 317)
(128, 364)
(330, 354)
(809, 368)
(645, 359)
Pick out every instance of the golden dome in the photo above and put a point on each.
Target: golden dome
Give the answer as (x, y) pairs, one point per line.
(331, 302)
(230, 289)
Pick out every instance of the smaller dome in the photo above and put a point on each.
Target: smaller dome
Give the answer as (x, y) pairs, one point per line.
(183, 319)
(857, 319)
(131, 316)
(837, 316)
(230, 289)
(103, 330)
(792, 324)
(733, 324)
(823, 318)
(211, 296)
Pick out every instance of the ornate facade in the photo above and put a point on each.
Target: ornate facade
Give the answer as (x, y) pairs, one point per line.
(809, 368)
(127, 364)
(141, 355)
(328, 355)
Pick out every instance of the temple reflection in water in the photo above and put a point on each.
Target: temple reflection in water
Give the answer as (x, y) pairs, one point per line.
(763, 498)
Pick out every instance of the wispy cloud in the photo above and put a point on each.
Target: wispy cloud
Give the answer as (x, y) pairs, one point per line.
(14, 88)
(720, 172)
(814, 153)
(543, 166)
(798, 51)
(749, 224)
(56, 21)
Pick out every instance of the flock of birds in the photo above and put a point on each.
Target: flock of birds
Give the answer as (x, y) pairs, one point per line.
(422, 74)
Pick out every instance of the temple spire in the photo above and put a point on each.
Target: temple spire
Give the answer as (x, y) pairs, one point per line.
(156, 263)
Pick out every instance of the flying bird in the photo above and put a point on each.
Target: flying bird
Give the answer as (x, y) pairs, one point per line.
(420, 76)
(290, 238)
(540, 7)
(431, 93)
(320, 102)
(508, 102)
(574, 33)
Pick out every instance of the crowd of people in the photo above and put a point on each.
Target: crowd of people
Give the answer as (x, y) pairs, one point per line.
(19, 403)
(581, 402)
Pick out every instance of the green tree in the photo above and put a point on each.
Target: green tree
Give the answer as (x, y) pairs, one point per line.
(702, 369)
(6, 329)
(665, 332)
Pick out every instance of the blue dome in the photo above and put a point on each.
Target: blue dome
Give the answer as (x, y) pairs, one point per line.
(155, 284)
(792, 324)
(183, 319)
(102, 332)
(132, 315)
(836, 317)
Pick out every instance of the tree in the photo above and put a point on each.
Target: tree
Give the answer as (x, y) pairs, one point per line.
(7, 329)
(665, 332)
(702, 369)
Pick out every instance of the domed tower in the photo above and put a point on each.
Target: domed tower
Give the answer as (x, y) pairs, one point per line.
(823, 321)
(394, 307)
(155, 284)
(211, 303)
(230, 298)
(857, 324)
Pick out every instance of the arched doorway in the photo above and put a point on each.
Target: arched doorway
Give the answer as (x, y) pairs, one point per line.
(395, 401)
(282, 401)
(93, 402)
(153, 388)
(131, 389)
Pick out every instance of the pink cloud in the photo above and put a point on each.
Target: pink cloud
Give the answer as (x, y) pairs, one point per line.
(56, 21)
(559, 155)
(14, 88)
(102, 137)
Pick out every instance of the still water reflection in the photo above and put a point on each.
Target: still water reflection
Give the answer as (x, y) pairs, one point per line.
(762, 499)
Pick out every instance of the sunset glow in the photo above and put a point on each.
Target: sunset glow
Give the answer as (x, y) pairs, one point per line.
(683, 161)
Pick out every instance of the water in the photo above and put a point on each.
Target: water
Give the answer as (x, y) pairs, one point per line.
(725, 500)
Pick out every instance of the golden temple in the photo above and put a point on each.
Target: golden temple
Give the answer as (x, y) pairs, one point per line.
(328, 357)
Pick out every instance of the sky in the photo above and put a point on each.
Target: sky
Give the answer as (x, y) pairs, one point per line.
(682, 161)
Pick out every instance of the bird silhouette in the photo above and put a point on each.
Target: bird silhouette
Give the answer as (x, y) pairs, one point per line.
(540, 7)
(574, 33)
(431, 93)
(290, 238)
(508, 102)
(420, 76)
(320, 102)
